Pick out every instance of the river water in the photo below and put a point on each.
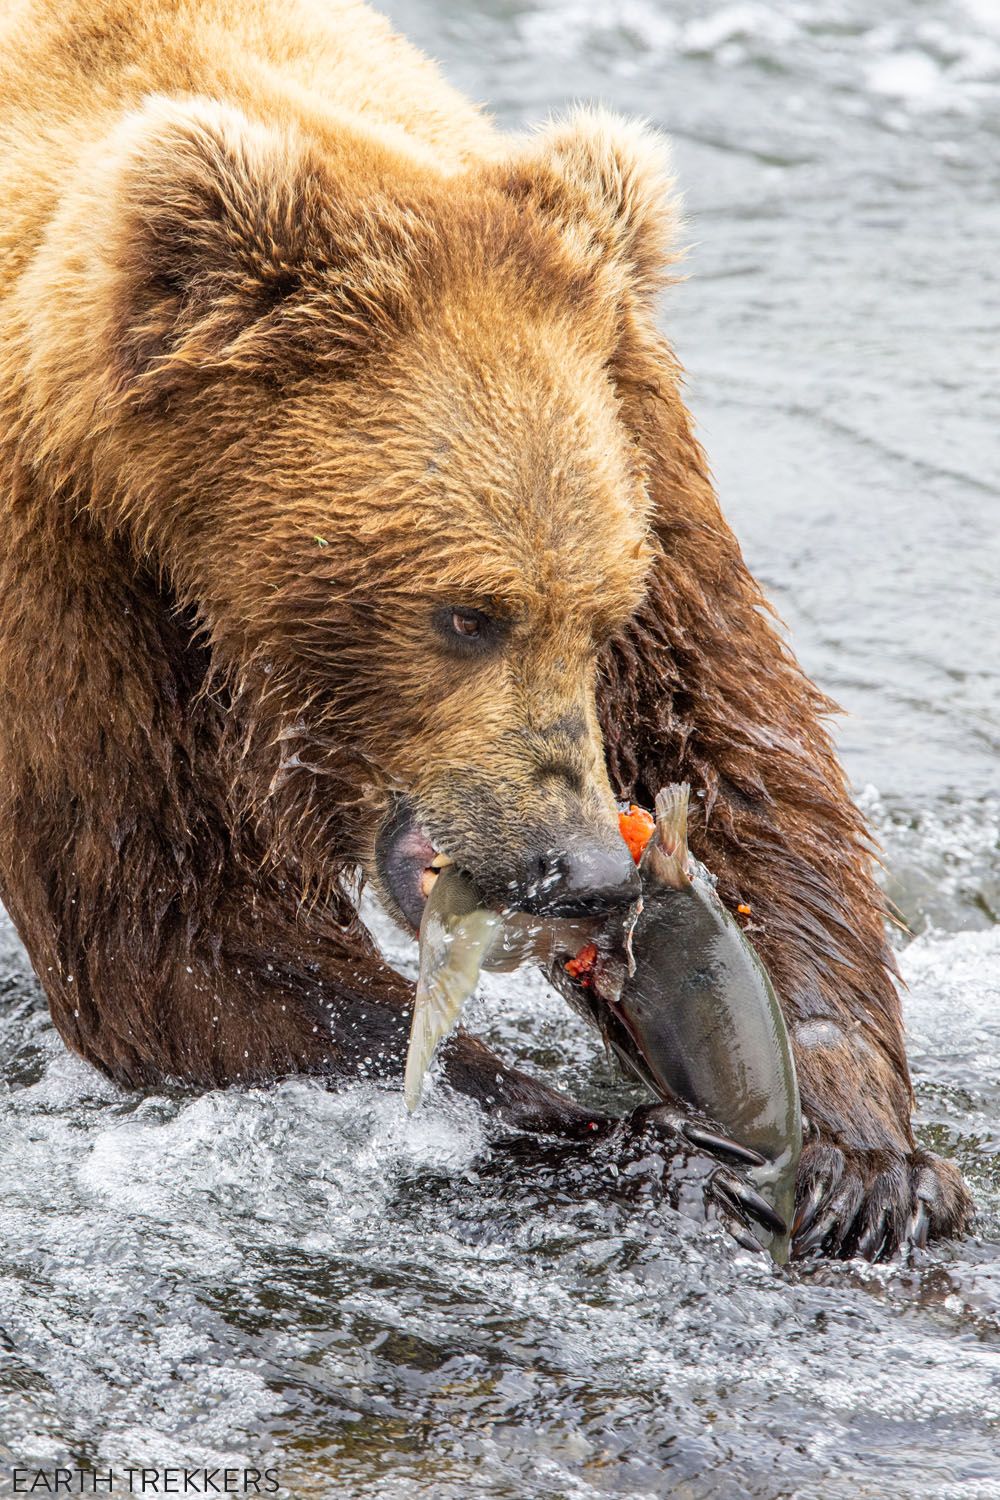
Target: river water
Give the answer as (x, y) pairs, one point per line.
(389, 1308)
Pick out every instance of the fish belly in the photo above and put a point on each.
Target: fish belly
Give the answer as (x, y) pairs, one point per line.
(703, 1015)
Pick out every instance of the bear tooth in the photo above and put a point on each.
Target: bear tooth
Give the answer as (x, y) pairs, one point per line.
(441, 862)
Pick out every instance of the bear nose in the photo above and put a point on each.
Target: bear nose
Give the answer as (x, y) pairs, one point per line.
(583, 878)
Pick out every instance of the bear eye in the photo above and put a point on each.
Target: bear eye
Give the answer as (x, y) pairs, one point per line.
(467, 630)
(468, 623)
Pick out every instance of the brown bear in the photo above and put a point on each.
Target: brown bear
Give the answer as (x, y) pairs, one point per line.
(353, 521)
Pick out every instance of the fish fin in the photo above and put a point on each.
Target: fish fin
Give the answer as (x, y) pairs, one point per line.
(436, 1009)
(450, 961)
(667, 858)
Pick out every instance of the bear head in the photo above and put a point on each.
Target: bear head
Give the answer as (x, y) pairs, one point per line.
(365, 416)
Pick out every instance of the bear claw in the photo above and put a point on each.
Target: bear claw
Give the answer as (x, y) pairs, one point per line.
(700, 1162)
(746, 1200)
(720, 1145)
(874, 1204)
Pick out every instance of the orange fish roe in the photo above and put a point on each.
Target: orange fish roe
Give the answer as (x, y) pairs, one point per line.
(637, 827)
(582, 965)
(743, 909)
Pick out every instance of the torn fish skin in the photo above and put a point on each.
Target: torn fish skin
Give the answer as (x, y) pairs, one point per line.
(456, 935)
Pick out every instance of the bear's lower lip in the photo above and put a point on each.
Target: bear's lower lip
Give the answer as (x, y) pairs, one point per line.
(408, 862)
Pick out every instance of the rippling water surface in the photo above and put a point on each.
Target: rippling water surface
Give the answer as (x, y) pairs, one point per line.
(384, 1307)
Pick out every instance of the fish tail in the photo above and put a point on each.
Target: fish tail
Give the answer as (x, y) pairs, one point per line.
(667, 853)
(430, 1022)
(419, 1054)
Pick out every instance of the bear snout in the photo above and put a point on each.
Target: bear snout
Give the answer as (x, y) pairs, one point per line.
(585, 877)
(584, 870)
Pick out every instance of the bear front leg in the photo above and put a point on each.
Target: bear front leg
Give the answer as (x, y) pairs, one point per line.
(701, 688)
(158, 987)
(864, 1188)
(258, 988)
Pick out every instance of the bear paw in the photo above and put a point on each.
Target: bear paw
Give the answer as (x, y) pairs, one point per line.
(703, 1171)
(874, 1204)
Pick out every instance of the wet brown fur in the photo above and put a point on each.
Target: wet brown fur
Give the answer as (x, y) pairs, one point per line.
(295, 350)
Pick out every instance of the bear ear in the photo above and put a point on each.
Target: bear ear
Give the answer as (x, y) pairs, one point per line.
(230, 254)
(606, 181)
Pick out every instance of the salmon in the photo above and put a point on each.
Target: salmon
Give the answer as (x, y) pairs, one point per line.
(676, 989)
(691, 1010)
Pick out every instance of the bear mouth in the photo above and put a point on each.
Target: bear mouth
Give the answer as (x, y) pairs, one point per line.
(408, 862)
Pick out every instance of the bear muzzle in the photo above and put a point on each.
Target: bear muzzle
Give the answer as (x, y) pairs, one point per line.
(586, 876)
(565, 874)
